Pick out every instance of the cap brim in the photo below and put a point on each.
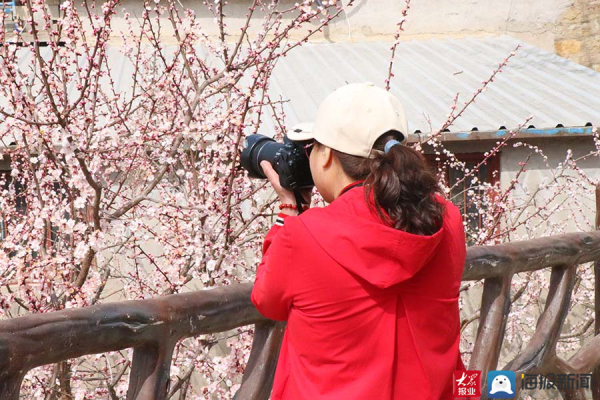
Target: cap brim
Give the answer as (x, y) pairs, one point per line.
(301, 132)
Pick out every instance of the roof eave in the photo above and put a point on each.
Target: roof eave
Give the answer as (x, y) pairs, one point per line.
(501, 134)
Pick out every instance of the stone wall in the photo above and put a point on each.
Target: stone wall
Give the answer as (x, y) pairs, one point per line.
(578, 33)
(533, 21)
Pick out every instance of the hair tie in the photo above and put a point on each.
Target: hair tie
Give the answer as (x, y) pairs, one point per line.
(390, 144)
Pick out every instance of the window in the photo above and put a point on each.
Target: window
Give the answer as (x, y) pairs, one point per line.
(465, 193)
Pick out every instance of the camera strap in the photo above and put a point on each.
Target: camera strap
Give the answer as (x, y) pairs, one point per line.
(352, 185)
(299, 201)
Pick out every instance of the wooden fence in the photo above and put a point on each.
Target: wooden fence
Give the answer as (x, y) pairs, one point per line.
(153, 327)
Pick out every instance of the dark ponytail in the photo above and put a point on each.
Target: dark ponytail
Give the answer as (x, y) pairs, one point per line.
(402, 186)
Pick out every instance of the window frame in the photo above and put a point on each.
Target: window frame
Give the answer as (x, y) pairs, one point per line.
(492, 163)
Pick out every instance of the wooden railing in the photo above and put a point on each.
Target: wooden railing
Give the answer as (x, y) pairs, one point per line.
(153, 327)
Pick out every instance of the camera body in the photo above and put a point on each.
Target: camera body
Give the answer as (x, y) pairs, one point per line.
(288, 160)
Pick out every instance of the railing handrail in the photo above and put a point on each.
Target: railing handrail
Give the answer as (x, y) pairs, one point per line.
(531, 255)
(30, 341)
(39, 339)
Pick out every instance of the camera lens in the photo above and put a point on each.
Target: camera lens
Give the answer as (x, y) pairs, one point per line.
(258, 148)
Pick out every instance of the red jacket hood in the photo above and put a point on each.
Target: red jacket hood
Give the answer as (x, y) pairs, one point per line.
(357, 239)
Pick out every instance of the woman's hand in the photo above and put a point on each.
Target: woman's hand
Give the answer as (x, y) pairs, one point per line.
(286, 196)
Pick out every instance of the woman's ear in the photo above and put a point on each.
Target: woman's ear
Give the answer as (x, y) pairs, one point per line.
(326, 157)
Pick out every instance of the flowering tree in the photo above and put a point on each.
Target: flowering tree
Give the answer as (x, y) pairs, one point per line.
(138, 193)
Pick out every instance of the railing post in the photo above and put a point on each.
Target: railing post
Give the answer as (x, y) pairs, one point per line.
(150, 368)
(495, 305)
(539, 356)
(596, 373)
(260, 370)
(10, 386)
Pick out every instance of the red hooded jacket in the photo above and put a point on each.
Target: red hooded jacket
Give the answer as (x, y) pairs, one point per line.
(372, 311)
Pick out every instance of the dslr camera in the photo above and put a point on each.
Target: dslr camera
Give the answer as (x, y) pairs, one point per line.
(288, 159)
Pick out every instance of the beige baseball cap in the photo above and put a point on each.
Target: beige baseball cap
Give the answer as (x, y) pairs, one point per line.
(352, 118)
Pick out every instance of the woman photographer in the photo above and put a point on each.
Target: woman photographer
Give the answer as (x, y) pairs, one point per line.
(368, 284)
